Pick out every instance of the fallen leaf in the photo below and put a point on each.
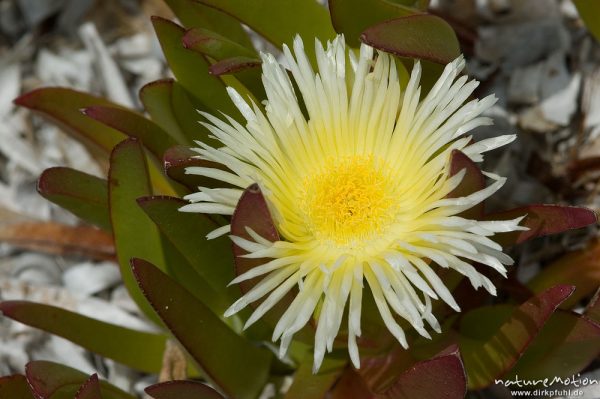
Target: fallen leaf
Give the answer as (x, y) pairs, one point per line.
(60, 239)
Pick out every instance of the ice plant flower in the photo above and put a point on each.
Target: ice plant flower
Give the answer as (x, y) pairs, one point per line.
(357, 185)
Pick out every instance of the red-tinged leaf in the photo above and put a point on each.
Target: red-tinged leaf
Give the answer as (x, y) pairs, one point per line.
(398, 374)
(84, 195)
(381, 370)
(421, 36)
(424, 379)
(182, 390)
(567, 344)
(194, 14)
(15, 387)
(238, 367)
(156, 97)
(233, 65)
(543, 220)
(579, 268)
(307, 385)
(351, 23)
(395, 378)
(191, 70)
(252, 212)
(490, 352)
(50, 380)
(90, 389)
(351, 386)
(133, 125)
(178, 158)
(473, 181)
(137, 349)
(63, 107)
(134, 233)
(60, 239)
(212, 260)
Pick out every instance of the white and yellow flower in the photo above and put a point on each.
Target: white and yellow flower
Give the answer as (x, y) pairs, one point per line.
(357, 184)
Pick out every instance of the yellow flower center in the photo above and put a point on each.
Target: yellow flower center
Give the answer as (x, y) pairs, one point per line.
(348, 200)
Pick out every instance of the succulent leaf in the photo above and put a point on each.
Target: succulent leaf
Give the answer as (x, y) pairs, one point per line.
(231, 362)
(420, 36)
(15, 387)
(140, 350)
(182, 390)
(84, 195)
(52, 380)
(491, 343)
(90, 389)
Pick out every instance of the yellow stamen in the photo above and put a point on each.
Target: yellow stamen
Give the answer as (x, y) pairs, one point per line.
(348, 200)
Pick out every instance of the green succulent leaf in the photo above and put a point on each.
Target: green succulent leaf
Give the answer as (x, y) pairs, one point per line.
(494, 338)
(566, 345)
(592, 311)
(15, 387)
(191, 70)
(156, 97)
(156, 140)
(351, 23)
(211, 259)
(182, 390)
(231, 362)
(84, 195)
(188, 117)
(55, 381)
(422, 36)
(63, 107)
(133, 125)
(589, 11)
(134, 232)
(578, 268)
(90, 389)
(228, 57)
(420, 4)
(543, 220)
(169, 105)
(215, 45)
(140, 350)
(194, 14)
(307, 385)
(279, 21)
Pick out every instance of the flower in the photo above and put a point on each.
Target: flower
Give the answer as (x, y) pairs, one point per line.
(357, 184)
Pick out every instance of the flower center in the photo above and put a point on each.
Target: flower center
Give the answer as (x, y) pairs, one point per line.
(349, 200)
